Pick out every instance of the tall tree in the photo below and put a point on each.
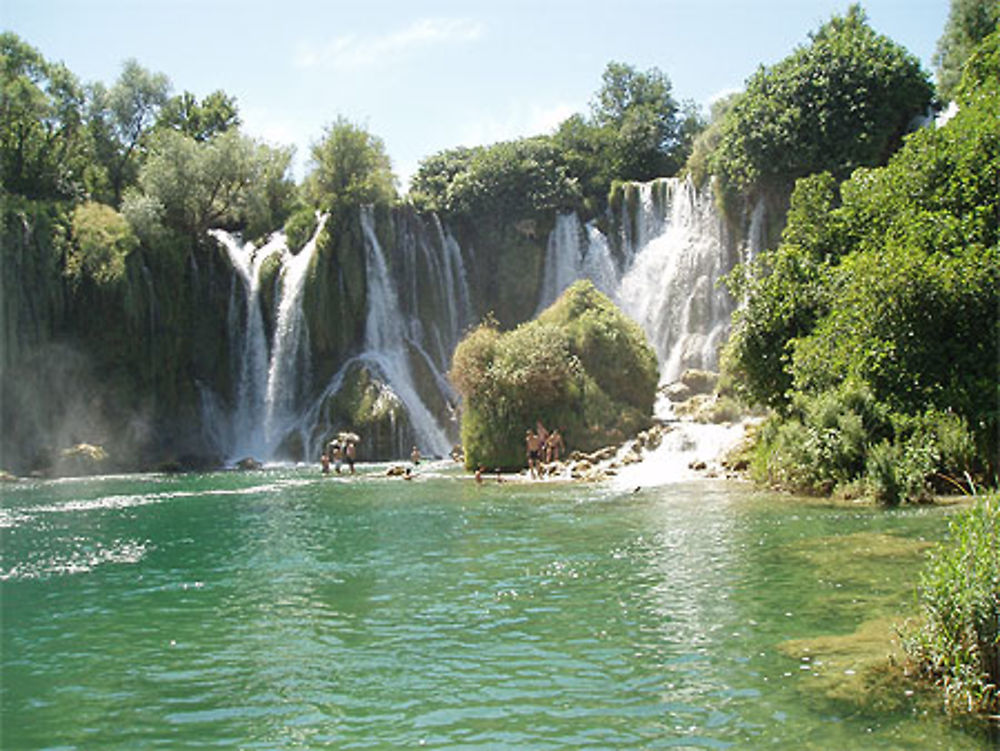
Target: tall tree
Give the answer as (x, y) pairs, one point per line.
(842, 102)
(350, 167)
(642, 119)
(121, 118)
(44, 148)
(230, 181)
(215, 114)
(969, 22)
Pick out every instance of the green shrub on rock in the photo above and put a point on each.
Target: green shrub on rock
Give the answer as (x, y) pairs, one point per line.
(582, 367)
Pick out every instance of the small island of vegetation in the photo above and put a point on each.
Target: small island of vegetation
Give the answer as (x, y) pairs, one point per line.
(581, 367)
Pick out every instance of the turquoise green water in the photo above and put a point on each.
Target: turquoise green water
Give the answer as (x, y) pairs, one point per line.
(281, 609)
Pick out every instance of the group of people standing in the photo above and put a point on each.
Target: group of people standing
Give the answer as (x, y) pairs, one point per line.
(337, 453)
(541, 446)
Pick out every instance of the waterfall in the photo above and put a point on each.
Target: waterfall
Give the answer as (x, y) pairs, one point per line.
(387, 344)
(675, 248)
(671, 286)
(288, 370)
(269, 383)
(576, 252)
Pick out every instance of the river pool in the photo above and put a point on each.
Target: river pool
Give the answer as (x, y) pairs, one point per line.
(282, 609)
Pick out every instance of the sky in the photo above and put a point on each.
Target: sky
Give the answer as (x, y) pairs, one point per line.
(428, 76)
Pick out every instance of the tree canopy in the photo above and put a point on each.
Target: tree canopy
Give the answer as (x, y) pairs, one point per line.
(229, 181)
(843, 101)
(888, 284)
(44, 145)
(969, 23)
(636, 131)
(350, 167)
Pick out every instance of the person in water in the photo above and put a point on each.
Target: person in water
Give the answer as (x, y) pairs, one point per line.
(351, 455)
(415, 456)
(325, 462)
(338, 456)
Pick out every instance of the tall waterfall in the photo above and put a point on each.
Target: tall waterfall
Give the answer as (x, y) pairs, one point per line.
(387, 343)
(417, 308)
(662, 270)
(675, 248)
(269, 382)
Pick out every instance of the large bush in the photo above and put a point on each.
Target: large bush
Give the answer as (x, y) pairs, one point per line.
(582, 367)
(841, 102)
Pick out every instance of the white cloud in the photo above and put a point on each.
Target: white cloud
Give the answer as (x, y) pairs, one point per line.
(354, 51)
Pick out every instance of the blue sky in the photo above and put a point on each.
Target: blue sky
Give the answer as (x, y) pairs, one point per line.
(426, 76)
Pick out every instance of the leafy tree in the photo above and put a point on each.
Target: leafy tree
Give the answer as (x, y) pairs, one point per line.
(636, 132)
(969, 22)
(706, 140)
(230, 181)
(585, 149)
(642, 117)
(581, 366)
(121, 118)
(350, 167)
(891, 283)
(785, 291)
(509, 179)
(842, 102)
(215, 114)
(429, 186)
(44, 146)
(512, 179)
(102, 241)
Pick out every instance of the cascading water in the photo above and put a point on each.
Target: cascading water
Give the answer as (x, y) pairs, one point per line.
(576, 252)
(387, 344)
(288, 370)
(675, 249)
(671, 287)
(269, 384)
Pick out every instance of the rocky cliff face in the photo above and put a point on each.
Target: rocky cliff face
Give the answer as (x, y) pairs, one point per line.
(116, 365)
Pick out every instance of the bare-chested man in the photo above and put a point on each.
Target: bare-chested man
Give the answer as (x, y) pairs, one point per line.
(533, 445)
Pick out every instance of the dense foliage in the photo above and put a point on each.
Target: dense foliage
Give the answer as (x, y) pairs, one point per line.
(636, 131)
(510, 179)
(350, 167)
(958, 644)
(841, 102)
(969, 23)
(887, 285)
(110, 321)
(228, 181)
(45, 148)
(581, 366)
